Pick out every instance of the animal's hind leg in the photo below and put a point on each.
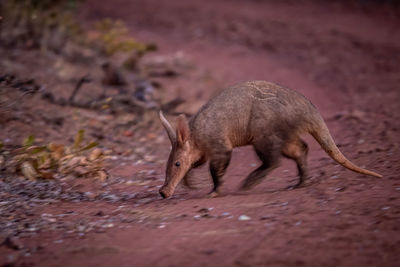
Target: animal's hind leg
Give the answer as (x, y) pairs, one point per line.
(270, 160)
(297, 150)
(218, 164)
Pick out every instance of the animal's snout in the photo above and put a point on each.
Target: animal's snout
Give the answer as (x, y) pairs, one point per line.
(164, 192)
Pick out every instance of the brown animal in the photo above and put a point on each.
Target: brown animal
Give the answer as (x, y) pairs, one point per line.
(269, 117)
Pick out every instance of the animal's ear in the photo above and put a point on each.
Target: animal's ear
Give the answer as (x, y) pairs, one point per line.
(168, 128)
(182, 129)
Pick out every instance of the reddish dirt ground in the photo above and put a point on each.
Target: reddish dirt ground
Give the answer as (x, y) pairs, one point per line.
(344, 58)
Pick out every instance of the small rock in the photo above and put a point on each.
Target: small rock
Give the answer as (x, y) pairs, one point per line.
(266, 217)
(205, 210)
(225, 214)
(99, 213)
(52, 220)
(244, 218)
(111, 197)
(89, 195)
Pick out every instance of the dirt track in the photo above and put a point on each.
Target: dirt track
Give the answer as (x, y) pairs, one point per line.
(345, 60)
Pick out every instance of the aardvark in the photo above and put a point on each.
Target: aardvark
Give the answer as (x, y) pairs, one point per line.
(269, 117)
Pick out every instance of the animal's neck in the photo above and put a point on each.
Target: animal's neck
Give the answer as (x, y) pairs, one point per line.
(196, 152)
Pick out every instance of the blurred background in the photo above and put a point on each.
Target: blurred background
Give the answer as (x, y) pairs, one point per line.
(82, 152)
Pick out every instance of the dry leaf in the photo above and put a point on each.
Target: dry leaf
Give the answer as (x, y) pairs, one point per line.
(2, 160)
(73, 162)
(102, 176)
(96, 153)
(67, 157)
(80, 171)
(58, 151)
(44, 161)
(28, 170)
(46, 175)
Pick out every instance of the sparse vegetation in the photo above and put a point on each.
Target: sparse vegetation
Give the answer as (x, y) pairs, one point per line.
(54, 160)
(112, 36)
(39, 24)
(50, 25)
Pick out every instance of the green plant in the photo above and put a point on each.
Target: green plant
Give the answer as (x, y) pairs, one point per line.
(113, 36)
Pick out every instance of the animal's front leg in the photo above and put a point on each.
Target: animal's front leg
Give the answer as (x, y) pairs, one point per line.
(187, 181)
(188, 177)
(218, 165)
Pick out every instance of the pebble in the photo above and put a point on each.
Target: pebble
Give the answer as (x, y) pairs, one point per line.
(266, 217)
(339, 189)
(225, 214)
(99, 213)
(204, 210)
(244, 218)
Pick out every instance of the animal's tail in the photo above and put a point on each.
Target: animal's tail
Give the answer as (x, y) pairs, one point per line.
(320, 132)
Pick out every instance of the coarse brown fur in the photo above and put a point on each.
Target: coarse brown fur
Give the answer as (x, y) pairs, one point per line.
(269, 117)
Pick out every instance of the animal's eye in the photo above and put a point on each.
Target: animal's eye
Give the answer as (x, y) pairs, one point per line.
(177, 164)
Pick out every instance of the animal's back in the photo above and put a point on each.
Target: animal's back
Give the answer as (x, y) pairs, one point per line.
(248, 110)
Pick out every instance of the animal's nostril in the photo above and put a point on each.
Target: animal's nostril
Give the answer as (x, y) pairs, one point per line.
(162, 194)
